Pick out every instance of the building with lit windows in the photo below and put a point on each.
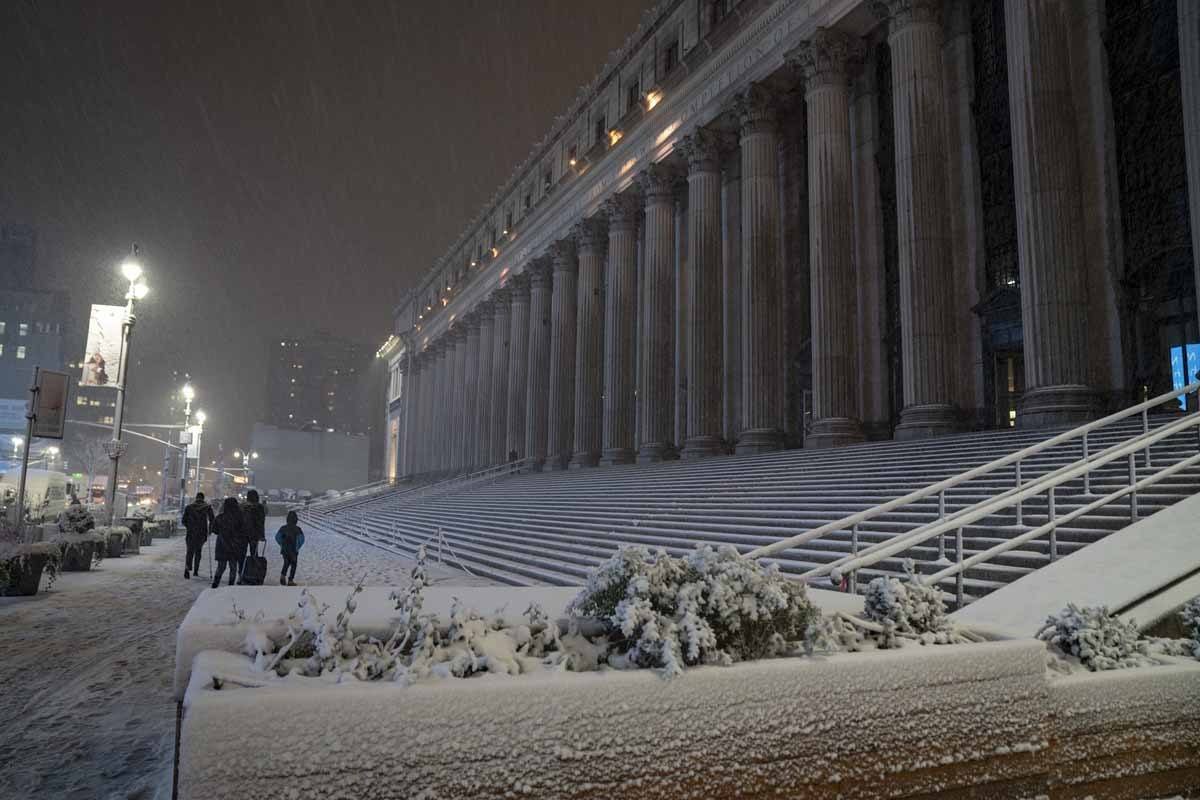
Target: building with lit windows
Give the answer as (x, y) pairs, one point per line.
(784, 224)
(318, 382)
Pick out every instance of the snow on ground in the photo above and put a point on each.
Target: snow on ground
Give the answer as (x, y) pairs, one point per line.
(87, 708)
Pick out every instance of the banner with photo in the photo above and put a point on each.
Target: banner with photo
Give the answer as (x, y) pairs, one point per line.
(102, 358)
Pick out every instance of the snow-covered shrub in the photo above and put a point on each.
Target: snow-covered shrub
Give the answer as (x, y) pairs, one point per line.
(907, 607)
(1099, 640)
(17, 559)
(143, 513)
(76, 519)
(709, 607)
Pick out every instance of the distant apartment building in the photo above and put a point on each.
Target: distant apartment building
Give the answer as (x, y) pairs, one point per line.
(319, 382)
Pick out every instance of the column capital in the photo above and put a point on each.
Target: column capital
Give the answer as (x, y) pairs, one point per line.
(471, 320)
(900, 14)
(484, 310)
(624, 211)
(659, 183)
(457, 332)
(703, 149)
(830, 57)
(563, 254)
(591, 235)
(756, 109)
(518, 285)
(500, 298)
(540, 272)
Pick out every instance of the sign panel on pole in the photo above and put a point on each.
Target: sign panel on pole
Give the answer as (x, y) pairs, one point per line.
(193, 442)
(50, 416)
(102, 357)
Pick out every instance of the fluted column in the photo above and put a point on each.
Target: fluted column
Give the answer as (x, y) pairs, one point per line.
(704, 284)
(424, 426)
(435, 437)
(481, 428)
(412, 422)
(731, 264)
(591, 239)
(762, 275)
(456, 402)
(501, 331)
(1189, 90)
(518, 366)
(923, 238)
(562, 354)
(825, 59)
(1046, 186)
(538, 384)
(469, 383)
(656, 385)
(620, 327)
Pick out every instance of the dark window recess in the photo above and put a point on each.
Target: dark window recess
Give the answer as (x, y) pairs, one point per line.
(548, 179)
(572, 154)
(671, 56)
(528, 200)
(633, 96)
(508, 221)
(601, 129)
(719, 10)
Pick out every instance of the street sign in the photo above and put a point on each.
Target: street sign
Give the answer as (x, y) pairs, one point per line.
(50, 413)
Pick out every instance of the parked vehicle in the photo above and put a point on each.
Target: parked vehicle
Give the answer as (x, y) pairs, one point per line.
(47, 492)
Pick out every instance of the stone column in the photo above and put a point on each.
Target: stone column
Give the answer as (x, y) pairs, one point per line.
(873, 367)
(656, 392)
(923, 239)
(518, 366)
(538, 383)
(562, 354)
(1046, 185)
(731, 266)
(704, 283)
(470, 390)
(1189, 89)
(825, 60)
(412, 419)
(435, 437)
(455, 405)
(591, 239)
(620, 327)
(501, 330)
(481, 429)
(424, 422)
(762, 276)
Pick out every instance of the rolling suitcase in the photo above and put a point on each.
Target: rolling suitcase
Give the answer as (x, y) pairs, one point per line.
(254, 569)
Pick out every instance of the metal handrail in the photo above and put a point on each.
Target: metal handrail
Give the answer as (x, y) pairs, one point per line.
(354, 493)
(939, 488)
(1048, 484)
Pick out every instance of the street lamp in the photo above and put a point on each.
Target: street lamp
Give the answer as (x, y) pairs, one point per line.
(246, 456)
(188, 395)
(132, 270)
(17, 442)
(199, 431)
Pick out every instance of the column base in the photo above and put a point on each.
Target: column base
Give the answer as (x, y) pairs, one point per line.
(1048, 406)
(835, 432)
(584, 459)
(533, 465)
(927, 420)
(653, 452)
(759, 440)
(616, 455)
(702, 447)
(559, 463)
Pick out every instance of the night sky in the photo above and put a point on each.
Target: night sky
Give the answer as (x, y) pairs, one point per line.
(284, 166)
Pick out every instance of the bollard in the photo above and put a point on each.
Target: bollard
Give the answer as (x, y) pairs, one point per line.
(1054, 526)
(1133, 508)
(958, 578)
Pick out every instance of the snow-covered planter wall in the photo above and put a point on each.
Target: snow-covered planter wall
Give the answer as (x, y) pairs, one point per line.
(22, 567)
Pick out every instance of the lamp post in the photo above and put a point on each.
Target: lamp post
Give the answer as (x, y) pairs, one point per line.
(186, 440)
(198, 431)
(132, 270)
(246, 456)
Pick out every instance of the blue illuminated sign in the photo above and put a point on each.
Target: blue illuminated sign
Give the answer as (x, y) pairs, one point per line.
(1185, 363)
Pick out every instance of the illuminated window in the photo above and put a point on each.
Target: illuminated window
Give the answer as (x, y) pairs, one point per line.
(23, 330)
(1, 348)
(21, 351)
(3, 325)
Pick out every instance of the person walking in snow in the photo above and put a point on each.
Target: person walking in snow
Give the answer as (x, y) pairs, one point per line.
(231, 541)
(290, 539)
(198, 520)
(254, 515)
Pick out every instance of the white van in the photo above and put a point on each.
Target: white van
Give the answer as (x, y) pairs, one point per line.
(47, 493)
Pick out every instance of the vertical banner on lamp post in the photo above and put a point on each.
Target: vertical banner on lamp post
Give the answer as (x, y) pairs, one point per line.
(102, 358)
(50, 414)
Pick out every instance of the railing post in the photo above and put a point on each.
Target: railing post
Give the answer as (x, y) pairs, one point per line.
(1133, 507)
(1146, 431)
(854, 552)
(1054, 526)
(958, 577)
(1020, 503)
(1087, 475)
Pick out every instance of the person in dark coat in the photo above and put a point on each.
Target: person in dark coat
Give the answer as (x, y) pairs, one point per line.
(198, 519)
(254, 515)
(290, 539)
(231, 541)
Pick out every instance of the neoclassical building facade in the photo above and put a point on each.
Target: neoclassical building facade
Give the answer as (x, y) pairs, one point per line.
(813, 222)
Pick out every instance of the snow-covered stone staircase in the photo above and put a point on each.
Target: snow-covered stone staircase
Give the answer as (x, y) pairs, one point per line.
(554, 527)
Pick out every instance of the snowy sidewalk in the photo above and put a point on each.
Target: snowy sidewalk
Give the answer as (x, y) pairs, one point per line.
(86, 710)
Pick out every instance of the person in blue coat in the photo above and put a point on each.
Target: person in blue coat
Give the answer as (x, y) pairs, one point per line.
(290, 539)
